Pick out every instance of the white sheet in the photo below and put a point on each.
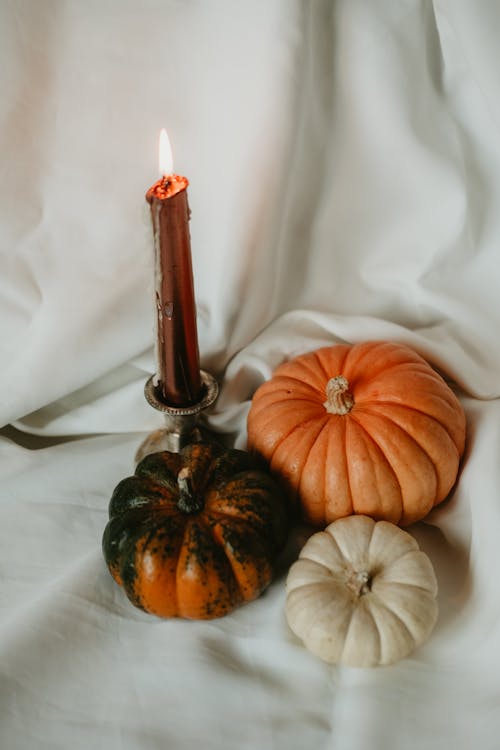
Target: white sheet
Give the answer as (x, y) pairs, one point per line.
(344, 163)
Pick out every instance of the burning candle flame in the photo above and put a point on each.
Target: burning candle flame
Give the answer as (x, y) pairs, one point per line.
(165, 158)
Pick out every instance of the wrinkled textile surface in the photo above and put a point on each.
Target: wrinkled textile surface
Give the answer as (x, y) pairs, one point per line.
(344, 161)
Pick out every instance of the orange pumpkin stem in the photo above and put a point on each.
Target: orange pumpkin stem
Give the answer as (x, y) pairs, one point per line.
(339, 399)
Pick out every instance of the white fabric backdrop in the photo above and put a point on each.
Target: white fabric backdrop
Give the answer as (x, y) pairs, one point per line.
(344, 162)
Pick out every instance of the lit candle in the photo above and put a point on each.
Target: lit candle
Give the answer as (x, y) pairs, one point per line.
(178, 378)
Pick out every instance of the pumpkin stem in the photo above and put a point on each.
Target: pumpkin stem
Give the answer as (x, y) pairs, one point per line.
(359, 582)
(339, 399)
(188, 501)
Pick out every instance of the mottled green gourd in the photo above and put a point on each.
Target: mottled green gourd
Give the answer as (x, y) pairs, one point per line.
(195, 534)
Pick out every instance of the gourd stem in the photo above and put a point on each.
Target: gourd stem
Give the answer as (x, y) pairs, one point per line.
(339, 399)
(359, 582)
(189, 501)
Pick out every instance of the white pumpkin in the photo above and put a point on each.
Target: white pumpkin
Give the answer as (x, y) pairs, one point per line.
(361, 593)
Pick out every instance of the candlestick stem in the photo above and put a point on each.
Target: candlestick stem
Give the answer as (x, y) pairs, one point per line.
(181, 422)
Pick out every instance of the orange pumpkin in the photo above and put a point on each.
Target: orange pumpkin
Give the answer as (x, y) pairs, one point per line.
(195, 534)
(369, 428)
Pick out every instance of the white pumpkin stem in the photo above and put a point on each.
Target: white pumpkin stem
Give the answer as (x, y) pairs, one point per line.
(339, 399)
(188, 501)
(359, 582)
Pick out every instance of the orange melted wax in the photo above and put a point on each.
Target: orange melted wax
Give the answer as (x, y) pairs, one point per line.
(167, 187)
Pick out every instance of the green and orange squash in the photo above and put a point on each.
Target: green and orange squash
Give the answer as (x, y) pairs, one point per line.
(195, 534)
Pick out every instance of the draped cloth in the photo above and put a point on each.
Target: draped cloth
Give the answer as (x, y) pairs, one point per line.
(344, 168)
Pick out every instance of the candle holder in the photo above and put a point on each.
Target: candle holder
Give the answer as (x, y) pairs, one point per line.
(181, 422)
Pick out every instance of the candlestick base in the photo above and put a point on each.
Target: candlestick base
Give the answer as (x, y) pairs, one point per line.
(181, 426)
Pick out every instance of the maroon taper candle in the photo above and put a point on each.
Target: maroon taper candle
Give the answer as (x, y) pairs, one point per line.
(178, 378)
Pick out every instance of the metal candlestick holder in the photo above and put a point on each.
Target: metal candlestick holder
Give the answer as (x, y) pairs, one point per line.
(181, 422)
